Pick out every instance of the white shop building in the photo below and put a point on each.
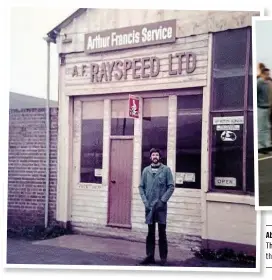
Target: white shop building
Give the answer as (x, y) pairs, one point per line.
(192, 74)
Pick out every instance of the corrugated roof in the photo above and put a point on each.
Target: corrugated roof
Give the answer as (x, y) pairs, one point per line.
(54, 32)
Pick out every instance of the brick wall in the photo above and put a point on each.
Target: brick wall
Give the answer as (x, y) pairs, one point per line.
(27, 166)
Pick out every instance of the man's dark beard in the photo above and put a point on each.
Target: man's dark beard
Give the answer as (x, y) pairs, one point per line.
(155, 161)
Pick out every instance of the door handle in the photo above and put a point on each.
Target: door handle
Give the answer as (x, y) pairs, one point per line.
(113, 181)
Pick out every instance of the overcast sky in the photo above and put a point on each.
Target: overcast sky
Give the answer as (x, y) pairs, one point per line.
(29, 50)
(264, 42)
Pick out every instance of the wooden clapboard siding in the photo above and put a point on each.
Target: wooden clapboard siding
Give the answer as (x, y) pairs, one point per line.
(186, 240)
(91, 220)
(179, 200)
(183, 205)
(201, 68)
(170, 229)
(141, 86)
(89, 204)
(195, 212)
(87, 208)
(163, 78)
(188, 22)
(198, 74)
(83, 86)
(178, 192)
(201, 63)
(175, 223)
(184, 211)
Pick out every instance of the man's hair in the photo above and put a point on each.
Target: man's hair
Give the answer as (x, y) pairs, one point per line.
(265, 70)
(261, 66)
(154, 150)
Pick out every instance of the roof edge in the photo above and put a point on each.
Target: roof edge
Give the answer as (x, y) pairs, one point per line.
(52, 34)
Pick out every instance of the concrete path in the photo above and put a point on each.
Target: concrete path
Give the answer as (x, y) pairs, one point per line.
(81, 249)
(88, 250)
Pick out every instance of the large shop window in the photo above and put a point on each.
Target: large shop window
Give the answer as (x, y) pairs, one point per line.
(92, 142)
(121, 124)
(155, 128)
(232, 162)
(188, 146)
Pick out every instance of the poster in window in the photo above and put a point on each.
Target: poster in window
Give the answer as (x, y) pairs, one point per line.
(227, 152)
(179, 178)
(227, 127)
(98, 172)
(232, 120)
(134, 106)
(225, 181)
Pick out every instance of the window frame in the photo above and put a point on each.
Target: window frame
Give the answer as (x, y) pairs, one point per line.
(82, 119)
(244, 112)
(189, 112)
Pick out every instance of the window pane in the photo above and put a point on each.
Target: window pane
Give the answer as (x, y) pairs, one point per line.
(155, 128)
(188, 149)
(250, 154)
(121, 124)
(93, 110)
(91, 141)
(227, 154)
(188, 102)
(229, 69)
(228, 93)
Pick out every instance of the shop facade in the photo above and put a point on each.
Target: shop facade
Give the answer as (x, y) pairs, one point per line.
(190, 73)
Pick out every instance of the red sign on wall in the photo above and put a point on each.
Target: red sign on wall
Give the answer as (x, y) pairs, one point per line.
(134, 104)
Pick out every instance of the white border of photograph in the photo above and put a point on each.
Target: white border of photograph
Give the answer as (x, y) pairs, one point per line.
(254, 74)
(215, 6)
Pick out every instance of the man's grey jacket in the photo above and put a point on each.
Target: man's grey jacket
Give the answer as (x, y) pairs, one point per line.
(155, 191)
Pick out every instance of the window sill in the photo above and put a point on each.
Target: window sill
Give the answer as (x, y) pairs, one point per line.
(231, 198)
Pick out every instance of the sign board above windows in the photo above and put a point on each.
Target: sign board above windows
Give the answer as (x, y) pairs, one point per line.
(131, 37)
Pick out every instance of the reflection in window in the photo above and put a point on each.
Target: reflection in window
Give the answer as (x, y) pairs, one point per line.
(188, 146)
(91, 142)
(121, 124)
(155, 128)
(229, 93)
(229, 60)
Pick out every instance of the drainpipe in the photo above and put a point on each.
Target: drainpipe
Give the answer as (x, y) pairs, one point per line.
(48, 40)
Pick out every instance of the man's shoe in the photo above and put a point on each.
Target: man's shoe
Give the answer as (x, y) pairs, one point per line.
(148, 260)
(163, 262)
